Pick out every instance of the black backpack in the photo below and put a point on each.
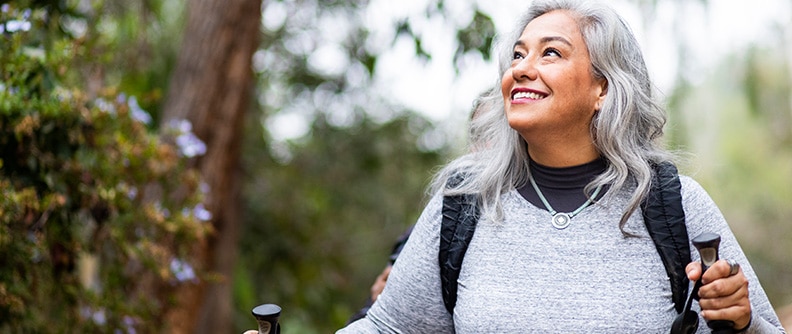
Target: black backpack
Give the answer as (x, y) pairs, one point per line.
(662, 211)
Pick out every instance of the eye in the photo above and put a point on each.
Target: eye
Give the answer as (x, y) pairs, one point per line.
(551, 52)
(517, 55)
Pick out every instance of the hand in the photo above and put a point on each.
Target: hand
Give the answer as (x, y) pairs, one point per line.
(250, 332)
(379, 283)
(723, 297)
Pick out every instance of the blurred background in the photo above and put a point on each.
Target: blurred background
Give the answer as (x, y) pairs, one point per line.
(167, 165)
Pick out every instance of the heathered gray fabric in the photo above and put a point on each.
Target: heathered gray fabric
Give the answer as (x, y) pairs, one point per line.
(524, 276)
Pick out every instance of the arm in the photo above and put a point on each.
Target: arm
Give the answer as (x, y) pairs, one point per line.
(739, 298)
(411, 301)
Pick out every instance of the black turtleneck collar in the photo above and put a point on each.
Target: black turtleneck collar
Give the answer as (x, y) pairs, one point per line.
(562, 187)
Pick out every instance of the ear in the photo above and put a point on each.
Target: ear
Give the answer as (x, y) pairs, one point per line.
(603, 83)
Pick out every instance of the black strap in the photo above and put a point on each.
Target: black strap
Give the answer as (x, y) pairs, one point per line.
(460, 215)
(663, 214)
(664, 217)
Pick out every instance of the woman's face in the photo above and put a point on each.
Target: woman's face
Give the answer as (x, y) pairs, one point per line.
(549, 92)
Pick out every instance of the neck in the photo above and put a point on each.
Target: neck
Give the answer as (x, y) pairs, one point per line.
(560, 148)
(564, 187)
(563, 156)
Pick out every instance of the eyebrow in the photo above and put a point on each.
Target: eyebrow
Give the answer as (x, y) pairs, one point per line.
(545, 40)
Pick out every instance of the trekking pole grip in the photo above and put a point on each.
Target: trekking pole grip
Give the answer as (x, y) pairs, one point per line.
(267, 317)
(707, 245)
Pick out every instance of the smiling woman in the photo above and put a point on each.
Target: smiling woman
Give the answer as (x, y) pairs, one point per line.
(573, 132)
(550, 93)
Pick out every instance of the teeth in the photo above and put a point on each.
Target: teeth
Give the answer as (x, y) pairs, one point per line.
(528, 95)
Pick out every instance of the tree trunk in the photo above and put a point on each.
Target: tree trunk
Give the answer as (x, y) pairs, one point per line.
(211, 87)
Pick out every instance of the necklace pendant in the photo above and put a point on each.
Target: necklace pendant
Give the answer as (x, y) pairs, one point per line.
(561, 220)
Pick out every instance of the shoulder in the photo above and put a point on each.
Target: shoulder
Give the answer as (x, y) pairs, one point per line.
(431, 215)
(692, 191)
(689, 183)
(701, 212)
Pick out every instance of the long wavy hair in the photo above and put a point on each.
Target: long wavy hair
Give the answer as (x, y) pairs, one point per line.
(626, 130)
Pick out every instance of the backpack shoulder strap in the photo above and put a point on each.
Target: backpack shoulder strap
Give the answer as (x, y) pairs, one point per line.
(664, 217)
(460, 215)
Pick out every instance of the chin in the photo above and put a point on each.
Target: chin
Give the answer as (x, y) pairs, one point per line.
(520, 122)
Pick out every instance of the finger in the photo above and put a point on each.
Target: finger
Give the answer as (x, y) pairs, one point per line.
(693, 271)
(720, 269)
(385, 273)
(725, 286)
(379, 283)
(720, 296)
(726, 299)
(376, 289)
(740, 315)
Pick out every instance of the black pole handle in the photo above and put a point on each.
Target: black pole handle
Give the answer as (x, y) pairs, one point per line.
(267, 317)
(707, 245)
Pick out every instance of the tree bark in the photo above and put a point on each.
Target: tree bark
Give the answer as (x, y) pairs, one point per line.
(211, 87)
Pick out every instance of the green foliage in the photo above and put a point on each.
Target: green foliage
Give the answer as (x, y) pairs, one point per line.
(739, 125)
(474, 36)
(767, 85)
(323, 211)
(321, 223)
(97, 214)
(478, 36)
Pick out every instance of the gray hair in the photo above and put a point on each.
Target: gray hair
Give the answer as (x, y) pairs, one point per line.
(626, 130)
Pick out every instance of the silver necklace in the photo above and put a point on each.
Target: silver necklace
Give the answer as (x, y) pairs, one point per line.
(561, 220)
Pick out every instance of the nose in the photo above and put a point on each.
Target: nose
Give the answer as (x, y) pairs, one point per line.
(525, 69)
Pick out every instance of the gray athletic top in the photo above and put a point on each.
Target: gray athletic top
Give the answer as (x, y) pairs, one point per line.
(523, 275)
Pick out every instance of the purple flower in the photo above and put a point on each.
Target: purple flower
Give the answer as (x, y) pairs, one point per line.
(188, 143)
(182, 270)
(132, 193)
(98, 316)
(204, 188)
(14, 26)
(180, 125)
(138, 113)
(129, 323)
(201, 213)
(105, 106)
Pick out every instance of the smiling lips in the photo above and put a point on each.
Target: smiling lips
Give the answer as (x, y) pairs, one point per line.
(523, 94)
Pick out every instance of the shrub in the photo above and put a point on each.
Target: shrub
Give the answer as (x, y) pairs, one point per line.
(98, 213)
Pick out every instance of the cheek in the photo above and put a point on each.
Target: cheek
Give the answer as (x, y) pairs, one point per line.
(506, 84)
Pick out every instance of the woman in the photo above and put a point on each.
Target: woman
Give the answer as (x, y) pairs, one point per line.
(577, 134)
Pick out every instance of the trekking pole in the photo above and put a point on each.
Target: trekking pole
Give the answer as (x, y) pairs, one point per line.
(687, 322)
(267, 317)
(707, 245)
